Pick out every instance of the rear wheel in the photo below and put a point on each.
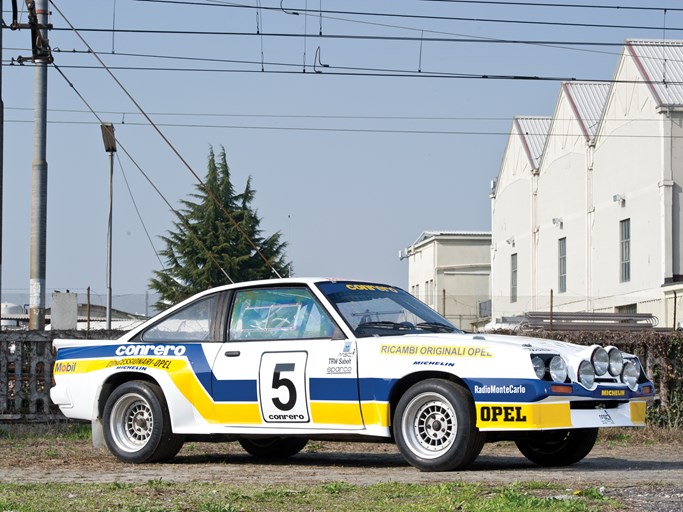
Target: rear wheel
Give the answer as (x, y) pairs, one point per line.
(137, 427)
(558, 447)
(273, 447)
(434, 426)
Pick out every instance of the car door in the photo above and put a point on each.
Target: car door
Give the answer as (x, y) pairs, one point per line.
(285, 365)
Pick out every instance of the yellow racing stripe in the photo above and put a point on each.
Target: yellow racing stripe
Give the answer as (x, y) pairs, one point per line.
(638, 412)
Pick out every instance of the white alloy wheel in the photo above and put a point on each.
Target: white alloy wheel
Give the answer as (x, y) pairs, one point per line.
(429, 425)
(132, 422)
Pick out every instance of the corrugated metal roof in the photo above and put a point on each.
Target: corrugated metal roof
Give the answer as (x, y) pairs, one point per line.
(588, 100)
(661, 64)
(534, 132)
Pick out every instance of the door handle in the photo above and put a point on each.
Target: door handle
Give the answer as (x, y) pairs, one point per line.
(232, 353)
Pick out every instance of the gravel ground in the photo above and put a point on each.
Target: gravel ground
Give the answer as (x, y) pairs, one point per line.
(645, 477)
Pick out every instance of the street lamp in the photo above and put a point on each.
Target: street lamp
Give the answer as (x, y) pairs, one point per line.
(110, 147)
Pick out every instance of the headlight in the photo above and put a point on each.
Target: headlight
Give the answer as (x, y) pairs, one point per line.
(600, 361)
(539, 366)
(636, 363)
(586, 374)
(616, 361)
(629, 375)
(558, 369)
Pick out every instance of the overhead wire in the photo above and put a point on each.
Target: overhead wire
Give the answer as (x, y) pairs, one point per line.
(378, 72)
(137, 211)
(172, 147)
(517, 3)
(327, 35)
(320, 12)
(356, 130)
(473, 38)
(181, 217)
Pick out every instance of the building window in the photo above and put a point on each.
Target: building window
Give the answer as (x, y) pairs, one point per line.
(625, 250)
(513, 277)
(628, 309)
(562, 265)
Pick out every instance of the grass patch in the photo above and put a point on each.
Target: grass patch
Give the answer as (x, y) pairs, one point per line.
(647, 436)
(159, 496)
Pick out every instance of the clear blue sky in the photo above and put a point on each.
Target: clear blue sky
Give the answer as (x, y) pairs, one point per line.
(350, 166)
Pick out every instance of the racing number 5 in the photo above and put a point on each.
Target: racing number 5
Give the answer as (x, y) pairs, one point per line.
(278, 382)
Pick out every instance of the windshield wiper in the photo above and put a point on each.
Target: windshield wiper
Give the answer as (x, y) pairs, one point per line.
(387, 325)
(435, 327)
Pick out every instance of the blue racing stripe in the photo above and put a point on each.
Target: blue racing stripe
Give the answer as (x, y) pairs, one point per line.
(334, 388)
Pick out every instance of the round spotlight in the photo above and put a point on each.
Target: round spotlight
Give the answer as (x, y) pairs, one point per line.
(558, 369)
(600, 360)
(539, 366)
(629, 375)
(616, 361)
(586, 374)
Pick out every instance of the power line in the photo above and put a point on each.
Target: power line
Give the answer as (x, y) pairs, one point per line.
(307, 12)
(354, 130)
(555, 4)
(225, 33)
(379, 72)
(156, 189)
(173, 148)
(273, 116)
(137, 211)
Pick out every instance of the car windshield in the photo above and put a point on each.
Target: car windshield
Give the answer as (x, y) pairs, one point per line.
(379, 310)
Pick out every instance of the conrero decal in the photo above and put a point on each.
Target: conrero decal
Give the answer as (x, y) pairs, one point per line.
(147, 350)
(371, 288)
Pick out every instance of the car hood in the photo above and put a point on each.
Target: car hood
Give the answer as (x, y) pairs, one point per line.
(525, 343)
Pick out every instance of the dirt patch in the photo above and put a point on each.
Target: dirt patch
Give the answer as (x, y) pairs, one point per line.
(643, 475)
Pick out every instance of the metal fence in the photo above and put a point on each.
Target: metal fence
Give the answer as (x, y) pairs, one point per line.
(25, 379)
(26, 362)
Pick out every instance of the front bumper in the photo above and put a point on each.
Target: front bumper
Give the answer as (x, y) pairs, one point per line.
(558, 415)
(503, 404)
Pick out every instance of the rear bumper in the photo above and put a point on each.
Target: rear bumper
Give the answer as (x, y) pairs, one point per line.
(60, 396)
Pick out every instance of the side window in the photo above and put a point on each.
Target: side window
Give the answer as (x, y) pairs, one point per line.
(278, 313)
(192, 323)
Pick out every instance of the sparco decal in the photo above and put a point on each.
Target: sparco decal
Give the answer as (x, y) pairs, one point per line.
(153, 350)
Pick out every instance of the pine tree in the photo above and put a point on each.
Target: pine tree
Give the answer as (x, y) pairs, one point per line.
(206, 242)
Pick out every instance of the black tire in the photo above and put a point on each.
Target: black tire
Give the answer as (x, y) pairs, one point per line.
(137, 427)
(435, 426)
(558, 447)
(273, 447)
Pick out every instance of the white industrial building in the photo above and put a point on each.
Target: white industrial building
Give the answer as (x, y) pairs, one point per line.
(587, 203)
(450, 271)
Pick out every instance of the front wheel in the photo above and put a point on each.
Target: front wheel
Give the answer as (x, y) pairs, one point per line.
(273, 447)
(137, 427)
(435, 426)
(558, 447)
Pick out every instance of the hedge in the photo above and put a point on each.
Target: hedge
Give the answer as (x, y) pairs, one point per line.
(661, 354)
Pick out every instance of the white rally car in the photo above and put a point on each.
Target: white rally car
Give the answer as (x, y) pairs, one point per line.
(272, 364)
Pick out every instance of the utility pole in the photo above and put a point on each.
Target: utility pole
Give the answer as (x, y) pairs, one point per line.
(110, 147)
(2, 145)
(41, 56)
(39, 176)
